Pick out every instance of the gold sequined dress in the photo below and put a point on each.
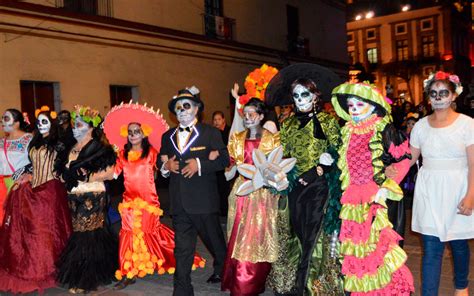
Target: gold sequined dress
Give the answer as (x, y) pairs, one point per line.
(252, 224)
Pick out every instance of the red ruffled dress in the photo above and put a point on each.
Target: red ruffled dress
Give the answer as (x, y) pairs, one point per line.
(374, 264)
(146, 245)
(36, 228)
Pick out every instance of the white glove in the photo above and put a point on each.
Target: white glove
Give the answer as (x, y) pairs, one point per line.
(326, 159)
(230, 174)
(381, 196)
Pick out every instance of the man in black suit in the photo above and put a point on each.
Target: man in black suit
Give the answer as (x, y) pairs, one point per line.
(184, 157)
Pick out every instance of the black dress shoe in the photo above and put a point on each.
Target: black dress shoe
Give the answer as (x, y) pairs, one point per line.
(124, 283)
(214, 279)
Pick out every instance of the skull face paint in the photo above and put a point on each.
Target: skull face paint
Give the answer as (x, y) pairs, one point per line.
(80, 130)
(186, 111)
(358, 109)
(135, 134)
(303, 98)
(7, 122)
(43, 124)
(251, 117)
(440, 96)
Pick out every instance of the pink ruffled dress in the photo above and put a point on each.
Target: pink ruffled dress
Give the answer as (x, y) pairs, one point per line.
(374, 264)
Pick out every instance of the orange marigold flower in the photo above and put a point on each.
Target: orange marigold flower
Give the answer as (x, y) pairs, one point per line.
(118, 275)
(161, 270)
(171, 270)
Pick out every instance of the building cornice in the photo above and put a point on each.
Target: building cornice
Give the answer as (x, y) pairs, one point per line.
(46, 13)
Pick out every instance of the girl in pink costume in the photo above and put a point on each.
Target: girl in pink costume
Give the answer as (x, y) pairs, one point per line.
(373, 264)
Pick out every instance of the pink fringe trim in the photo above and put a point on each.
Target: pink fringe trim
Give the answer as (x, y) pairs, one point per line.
(358, 232)
(369, 265)
(401, 285)
(357, 194)
(399, 150)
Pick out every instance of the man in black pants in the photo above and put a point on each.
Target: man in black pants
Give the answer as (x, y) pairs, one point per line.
(184, 157)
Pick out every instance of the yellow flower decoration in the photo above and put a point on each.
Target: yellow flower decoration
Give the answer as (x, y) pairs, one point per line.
(146, 129)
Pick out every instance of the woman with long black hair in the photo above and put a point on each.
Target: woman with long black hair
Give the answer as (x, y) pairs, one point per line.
(37, 220)
(90, 257)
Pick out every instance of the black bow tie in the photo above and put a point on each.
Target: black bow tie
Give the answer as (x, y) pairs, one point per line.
(182, 129)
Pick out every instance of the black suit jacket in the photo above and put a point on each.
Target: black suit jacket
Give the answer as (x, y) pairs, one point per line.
(198, 194)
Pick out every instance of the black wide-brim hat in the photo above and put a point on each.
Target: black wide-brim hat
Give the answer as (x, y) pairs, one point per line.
(278, 91)
(185, 94)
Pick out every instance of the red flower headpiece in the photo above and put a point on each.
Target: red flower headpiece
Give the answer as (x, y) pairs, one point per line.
(256, 83)
(440, 75)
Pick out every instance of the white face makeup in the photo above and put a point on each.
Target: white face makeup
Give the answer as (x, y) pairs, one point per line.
(186, 111)
(7, 122)
(358, 109)
(43, 124)
(303, 98)
(81, 128)
(251, 118)
(440, 96)
(135, 134)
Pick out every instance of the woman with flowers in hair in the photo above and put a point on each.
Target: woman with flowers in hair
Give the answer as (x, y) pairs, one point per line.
(146, 245)
(374, 263)
(444, 189)
(37, 224)
(90, 257)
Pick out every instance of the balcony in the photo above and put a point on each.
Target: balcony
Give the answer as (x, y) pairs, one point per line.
(89, 7)
(218, 27)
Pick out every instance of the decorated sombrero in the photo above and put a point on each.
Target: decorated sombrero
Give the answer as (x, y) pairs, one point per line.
(119, 117)
(363, 91)
(278, 91)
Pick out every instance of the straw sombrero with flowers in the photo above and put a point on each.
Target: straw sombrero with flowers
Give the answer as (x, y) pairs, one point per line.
(119, 117)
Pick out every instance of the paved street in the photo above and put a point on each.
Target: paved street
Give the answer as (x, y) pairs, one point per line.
(163, 285)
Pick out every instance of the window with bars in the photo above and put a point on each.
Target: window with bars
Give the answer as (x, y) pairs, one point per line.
(372, 55)
(402, 50)
(428, 46)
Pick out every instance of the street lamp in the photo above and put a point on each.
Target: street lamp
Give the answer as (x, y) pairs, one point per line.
(405, 7)
(369, 14)
(358, 17)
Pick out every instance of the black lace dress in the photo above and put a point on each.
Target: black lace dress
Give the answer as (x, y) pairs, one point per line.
(91, 255)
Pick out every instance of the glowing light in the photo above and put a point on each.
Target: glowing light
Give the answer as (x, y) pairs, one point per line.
(358, 17)
(369, 14)
(405, 7)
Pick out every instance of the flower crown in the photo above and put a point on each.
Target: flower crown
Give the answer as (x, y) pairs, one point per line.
(87, 114)
(52, 114)
(256, 83)
(440, 75)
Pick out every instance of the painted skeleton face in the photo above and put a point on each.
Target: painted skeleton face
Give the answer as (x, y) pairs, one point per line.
(251, 118)
(440, 96)
(303, 98)
(8, 122)
(186, 111)
(135, 134)
(43, 124)
(358, 109)
(81, 128)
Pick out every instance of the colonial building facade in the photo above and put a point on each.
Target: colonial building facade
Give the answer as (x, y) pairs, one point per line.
(102, 52)
(401, 48)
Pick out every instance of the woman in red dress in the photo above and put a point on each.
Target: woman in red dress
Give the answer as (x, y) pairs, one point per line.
(146, 245)
(37, 222)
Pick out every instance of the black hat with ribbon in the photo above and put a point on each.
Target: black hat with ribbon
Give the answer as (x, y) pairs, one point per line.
(191, 93)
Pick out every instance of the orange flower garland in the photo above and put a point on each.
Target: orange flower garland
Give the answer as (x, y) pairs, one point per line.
(138, 261)
(256, 83)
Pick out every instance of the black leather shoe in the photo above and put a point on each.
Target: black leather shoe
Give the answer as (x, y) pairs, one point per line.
(214, 279)
(124, 283)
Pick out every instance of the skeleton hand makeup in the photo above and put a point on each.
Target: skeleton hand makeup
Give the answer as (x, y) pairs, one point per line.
(7, 122)
(43, 124)
(135, 134)
(303, 98)
(358, 109)
(440, 96)
(186, 111)
(252, 120)
(80, 130)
